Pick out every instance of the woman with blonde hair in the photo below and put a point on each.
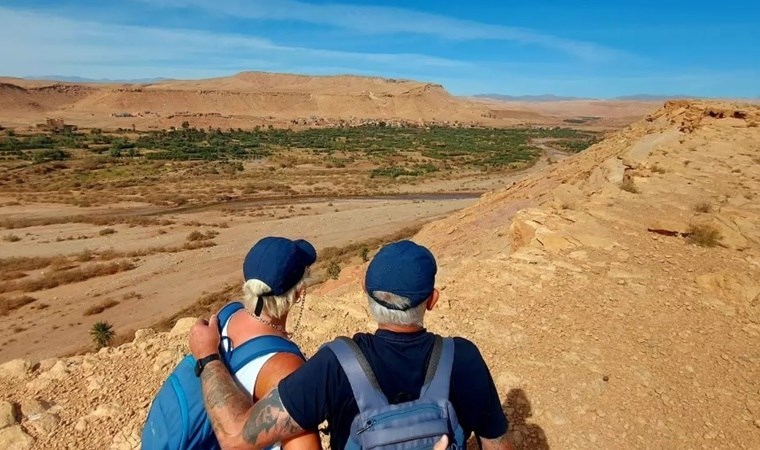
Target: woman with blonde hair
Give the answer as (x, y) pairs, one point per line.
(254, 346)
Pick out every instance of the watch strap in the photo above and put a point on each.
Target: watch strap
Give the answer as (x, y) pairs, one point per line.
(201, 363)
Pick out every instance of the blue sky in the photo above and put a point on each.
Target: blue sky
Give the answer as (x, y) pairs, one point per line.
(580, 48)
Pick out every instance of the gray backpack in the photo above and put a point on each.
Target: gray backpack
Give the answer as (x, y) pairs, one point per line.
(413, 425)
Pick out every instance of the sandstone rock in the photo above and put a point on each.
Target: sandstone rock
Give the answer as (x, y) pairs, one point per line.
(7, 414)
(182, 327)
(141, 334)
(166, 359)
(14, 438)
(47, 364)
(17, 368)
(31, 407)
(44, 423)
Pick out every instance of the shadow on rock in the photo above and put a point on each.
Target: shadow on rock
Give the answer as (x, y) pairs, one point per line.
(523, 435)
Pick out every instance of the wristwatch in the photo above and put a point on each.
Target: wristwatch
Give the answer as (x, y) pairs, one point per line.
(201, 363)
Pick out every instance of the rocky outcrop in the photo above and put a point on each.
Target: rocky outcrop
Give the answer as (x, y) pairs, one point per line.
(609, 312)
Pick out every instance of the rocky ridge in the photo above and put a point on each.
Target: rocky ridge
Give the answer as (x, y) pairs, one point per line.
(604, 322)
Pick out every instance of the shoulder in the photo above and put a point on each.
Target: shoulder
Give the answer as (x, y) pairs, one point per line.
(465, 350)
(468, 362)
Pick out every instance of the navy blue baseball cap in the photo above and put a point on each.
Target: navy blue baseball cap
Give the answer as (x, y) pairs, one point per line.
(279, 262)
(402, 268)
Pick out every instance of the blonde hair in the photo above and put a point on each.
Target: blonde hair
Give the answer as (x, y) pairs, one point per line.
(275, 306)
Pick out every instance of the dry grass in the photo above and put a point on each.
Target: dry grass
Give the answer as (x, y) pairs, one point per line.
(99, 308)
(106, 232)
(67, 276)
(7, 305)
(200, 236)
(704, 235)
(703, 207)
(17, 263)
(658, 169)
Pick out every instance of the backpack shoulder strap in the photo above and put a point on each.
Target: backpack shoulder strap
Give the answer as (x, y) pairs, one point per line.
(226, 313)
(438, 375)
(359, 373)
(260, 346)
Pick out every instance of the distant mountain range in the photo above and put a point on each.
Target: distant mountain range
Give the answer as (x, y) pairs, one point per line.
(559, 98)
(94, 80)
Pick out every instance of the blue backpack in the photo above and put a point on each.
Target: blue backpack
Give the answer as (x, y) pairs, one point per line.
(177, 418)
(412, 425)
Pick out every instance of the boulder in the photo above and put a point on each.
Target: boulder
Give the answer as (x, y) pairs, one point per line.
(33, 406)
(14, 438)
(17, 368)
(43, 424)
(182, 327)
(7, 414)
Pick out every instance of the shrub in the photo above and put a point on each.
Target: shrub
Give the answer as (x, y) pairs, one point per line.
(102, 334)
(199, 236)
(11, 304)
(11, 238)
(364, 253)
(704, 235)
(106, 231)
(628, 185)
(333, 270)
(97, 309)
(703, 207)
(658, 169)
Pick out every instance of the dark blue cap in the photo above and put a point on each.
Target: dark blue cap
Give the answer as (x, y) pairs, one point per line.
(278, 262)
(402, 268)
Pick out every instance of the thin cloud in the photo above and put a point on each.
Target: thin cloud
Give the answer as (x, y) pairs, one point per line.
(390, 20)
(36, 43)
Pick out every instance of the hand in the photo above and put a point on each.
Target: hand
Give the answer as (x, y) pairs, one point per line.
(442, 444)
(204, 337)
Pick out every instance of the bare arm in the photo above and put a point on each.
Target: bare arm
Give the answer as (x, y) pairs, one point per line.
(237, 424)
(278, 367)
(500, 443)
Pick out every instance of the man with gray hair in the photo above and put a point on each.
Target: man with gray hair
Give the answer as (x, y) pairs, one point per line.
(371, 389)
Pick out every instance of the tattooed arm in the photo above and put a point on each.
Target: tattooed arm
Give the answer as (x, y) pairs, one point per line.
(236, 424)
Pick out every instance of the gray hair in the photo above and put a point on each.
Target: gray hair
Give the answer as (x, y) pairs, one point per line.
(382, 315)
(275, 306)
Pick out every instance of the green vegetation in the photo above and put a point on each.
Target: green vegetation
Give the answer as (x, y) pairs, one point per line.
(477, 146)
(102, 334)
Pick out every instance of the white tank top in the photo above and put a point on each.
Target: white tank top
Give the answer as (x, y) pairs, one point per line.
(248, 374)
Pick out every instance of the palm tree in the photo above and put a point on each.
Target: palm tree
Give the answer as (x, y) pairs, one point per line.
(102, 333)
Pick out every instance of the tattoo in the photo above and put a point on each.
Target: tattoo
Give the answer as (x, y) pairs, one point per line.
(269, 422)
(226, 403)
(235, 421)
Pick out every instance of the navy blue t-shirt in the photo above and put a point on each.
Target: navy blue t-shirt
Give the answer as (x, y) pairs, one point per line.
(320, 390)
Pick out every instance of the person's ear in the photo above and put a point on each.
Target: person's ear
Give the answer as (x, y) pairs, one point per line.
(432, 300)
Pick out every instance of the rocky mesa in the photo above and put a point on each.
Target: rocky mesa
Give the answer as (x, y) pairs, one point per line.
(615, 296)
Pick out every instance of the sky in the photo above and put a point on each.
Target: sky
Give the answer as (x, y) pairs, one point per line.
(594, 48)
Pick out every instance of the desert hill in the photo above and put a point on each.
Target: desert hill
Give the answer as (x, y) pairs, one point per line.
(251, 99)
(615, 296)
(243, 100)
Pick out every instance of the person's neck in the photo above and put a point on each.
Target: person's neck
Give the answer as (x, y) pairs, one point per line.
(399, 328)
(276, 323)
